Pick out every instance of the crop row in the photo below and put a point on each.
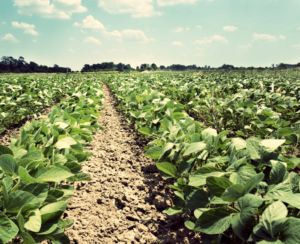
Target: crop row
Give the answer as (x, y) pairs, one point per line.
(48, 152)
(27, 96)
(233, 189)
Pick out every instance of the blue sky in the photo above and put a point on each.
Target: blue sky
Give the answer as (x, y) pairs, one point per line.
(71, 33)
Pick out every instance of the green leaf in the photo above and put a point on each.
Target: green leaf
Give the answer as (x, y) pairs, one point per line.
(34, 221)
(53, 211)
(25, 177)
(242, 175)
(237, 143)
(167, 168)
(166, 148)
(292, 199)
(5, 150)
(236, 164)
(277, 173)
(8, 229)
(35, 155)
(8, 164)
(290, 231)
(275, 191)
(18, 199)
(273, 217)
(177, 116)
(270, 145)
(233, 193)
(28, 238)
(67, 223)
(153, 152)
(65, 143)
(145, 130)
(40, 190)
(253, 182)
(173, 211)
(213, 221)
(189, 224)
(199, 177)
(52, 174)
(195, 147)
(284, 132)
(197, 199)
(217, 185)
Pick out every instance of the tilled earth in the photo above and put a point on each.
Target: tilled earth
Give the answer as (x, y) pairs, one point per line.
(124, 199)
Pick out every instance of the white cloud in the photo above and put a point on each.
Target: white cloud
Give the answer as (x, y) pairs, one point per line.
(297, 46)
(263, 37)
(187, 28)
(34, 40)
(298, 27)
(183, 55)
(29, 29)
(177, 43)
(71, 50)
(83, 31)
(136, 34)
(199, 54)
(60, 9)
(179, 29)
(98, 52)
(71, 38)
(199, 26)
(230, 28)
(90, 23)
(137, 8)
(9, 37)
(214, 39)
(282, 37)
(91, 39)
(245, 46)
(174, 2)
(3, 23)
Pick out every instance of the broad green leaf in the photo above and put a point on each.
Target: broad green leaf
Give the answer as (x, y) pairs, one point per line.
(8, 229)
(213, 221)
(290, 231)
(277, 173)
(284, 132)
(273, 217)
(5, 150)
(52, 174)
(65, 143)
(270, 145)
(153, 152)
(18, 199)
(237, 143)
(145, 131)
(189, 224)
(253, 182)
(177, 116)
(52, 211)
(166, 148)
(173, 211)
(67, 223)
(197, 199)
(199, 177)
(8, 164)
(242, 175)
(236, 164)
(25, 177)
(167, 168)
(28, 239)
(233, 193)
(40, 190)
(35, 155)
(34, 221)
(276, 191)
(292, 199)
(194, 147)
(217, 185)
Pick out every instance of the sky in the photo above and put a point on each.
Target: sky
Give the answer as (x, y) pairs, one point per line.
(71, 33)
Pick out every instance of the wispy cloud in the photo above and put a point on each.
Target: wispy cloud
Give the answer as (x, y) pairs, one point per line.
(199, 26)
(29, 29)
(230, 28)
(58, 9)
(92, 39)
(282, 37)
(245, 46)
(71, 50)
(177, 43)
(175, 2)
(34, 40)
(179, 29)
(10, 38)
(297, 46)
(263, 37)
(3, 23)
(71, 38)
(214, 39)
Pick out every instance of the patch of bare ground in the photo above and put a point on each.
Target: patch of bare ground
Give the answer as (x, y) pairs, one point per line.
(124, 199)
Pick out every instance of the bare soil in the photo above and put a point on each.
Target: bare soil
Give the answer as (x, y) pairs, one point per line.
(124, 199)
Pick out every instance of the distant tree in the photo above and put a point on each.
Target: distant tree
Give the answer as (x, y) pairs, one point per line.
(282, 66)
(137, 68)
(154, 66)
(144, 66)
(120, 67)
(162, 67)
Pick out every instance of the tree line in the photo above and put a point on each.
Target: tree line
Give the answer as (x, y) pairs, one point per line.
(11, 65)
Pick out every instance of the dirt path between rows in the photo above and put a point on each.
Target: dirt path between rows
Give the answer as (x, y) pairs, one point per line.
(124, 199)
